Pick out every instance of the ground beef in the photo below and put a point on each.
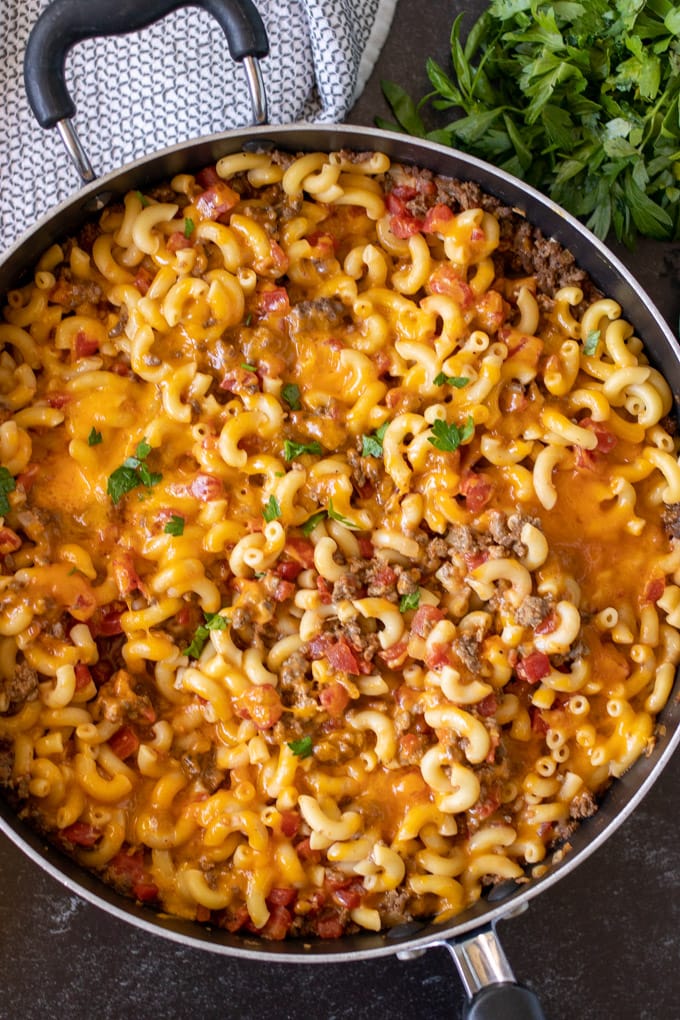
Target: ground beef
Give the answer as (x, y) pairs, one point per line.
(203, 767)
(583, 805)
(533, 611)
(462, 538)
(295, 681)
(671, 520)
(19, 688)
(319, 313)
(466, 648)
(393, 907)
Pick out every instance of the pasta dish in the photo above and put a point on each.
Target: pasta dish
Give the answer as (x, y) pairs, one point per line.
(340, 571)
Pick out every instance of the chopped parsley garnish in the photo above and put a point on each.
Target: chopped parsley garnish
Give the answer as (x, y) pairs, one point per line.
(133, 472)
(410, 601)
(7, 485)
(301, 748)
(591, 342)
(291, 394)
(94, 437)
(175, 526)
(335, 516)
(142, 198)
(213, 621)
(189, 226)
(372, 446)
(451, 380)
(248, 368)
(449, 437)
(271, 510)
(309, 525)
(292, 450)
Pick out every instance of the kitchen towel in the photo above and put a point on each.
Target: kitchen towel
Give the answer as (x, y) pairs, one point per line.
(171, 82)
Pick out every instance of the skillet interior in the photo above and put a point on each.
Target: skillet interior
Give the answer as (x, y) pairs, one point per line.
(611, 277)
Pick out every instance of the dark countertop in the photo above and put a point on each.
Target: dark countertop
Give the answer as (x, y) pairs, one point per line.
(601, 943)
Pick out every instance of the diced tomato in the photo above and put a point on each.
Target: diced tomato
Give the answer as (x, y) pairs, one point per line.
(290, 823)
(26, 478)
(273, 300)
(9, 541)
(334, 698)
(124, 573)
(324, 244)
(606, 440)
(328, 926)
(547, 625)
(130, 870)
(278, 258)
(207, 487)
(396, 655)
(262, 704)
(216, 201)
(177, 241)
(301, 549)
(350, 895)
(437, 655)
(437, 218)
(533, 667)
(445, 280)
(654, 590)
(288, 570)
(538, 723)
(305, 853)
(491, 311)
(341, 657)
(424, 620)
(84, 346)
(324, 589)
(488, 705)
(81, 834)
(475, 559)
(241, 380)
(284, 590)
(234, 922)
(58, 400)
(124, 742)
(143, 279)
(400, 194)
(365, 547)
(277, 926)
(105, 622)
(83, 675)
(281, 897)
(404, 225)
(476, 489)
(207, 177)
(490, 804)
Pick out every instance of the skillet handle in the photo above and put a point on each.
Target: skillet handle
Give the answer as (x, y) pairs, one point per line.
(66, 22)
(504, 1002)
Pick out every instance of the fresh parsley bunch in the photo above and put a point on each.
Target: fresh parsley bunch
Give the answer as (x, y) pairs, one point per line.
(579, 99)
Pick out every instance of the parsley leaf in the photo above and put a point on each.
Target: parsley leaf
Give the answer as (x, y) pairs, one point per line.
(301, 748)
(581, 100)
(451, 380)
(189, 226)
(131, 473)
(271, 510)
(311, 523)
(7, 485)
(372, 446)
(175, 526)
(94, 437)
(292, 450)
(213, 621)
(291, 394)
(335, 516)
(591, 342)
(449, 437)
(248, 368)
(410, 601)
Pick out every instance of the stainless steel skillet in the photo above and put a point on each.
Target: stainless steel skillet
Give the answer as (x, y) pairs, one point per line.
(465, 935)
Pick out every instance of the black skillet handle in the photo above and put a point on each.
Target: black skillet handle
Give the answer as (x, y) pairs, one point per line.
(504, 1002)
(66, 22)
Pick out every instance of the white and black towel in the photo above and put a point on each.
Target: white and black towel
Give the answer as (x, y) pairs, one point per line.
(174, 81)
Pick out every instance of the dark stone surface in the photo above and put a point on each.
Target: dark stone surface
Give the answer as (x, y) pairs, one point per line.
(600, 944)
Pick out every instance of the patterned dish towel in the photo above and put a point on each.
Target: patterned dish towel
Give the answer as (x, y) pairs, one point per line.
(171, 82)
